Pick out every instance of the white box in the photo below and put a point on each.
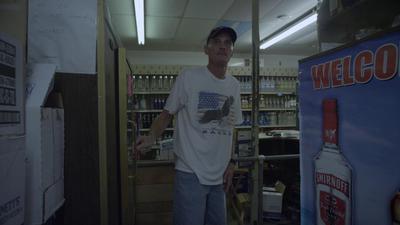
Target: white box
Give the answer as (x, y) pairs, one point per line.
(272, 202)
(44, 148)
(166, 151)
(12, 178)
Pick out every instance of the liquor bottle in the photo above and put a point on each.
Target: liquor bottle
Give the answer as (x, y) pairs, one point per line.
(143, 102)
(395, 206)
(171, 82)
(166, 84)
(153, 85)
(332, 175)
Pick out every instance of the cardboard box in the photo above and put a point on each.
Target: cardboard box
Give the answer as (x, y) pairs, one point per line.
(44, 147)
(272, 201)
(12, 177)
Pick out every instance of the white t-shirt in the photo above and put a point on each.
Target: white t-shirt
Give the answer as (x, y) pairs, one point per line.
(206, 108)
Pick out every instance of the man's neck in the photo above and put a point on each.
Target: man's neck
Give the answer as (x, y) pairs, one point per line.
(218, 71)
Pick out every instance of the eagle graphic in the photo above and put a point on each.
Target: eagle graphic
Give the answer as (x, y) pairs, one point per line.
(217, 114)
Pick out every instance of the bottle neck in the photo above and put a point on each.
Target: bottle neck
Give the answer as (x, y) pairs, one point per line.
(330, 131)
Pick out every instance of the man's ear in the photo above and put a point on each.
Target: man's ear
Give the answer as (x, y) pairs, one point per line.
(205, 48)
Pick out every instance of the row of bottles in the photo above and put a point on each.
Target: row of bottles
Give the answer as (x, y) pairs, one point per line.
(270, 102)
(165, 83)
(284, 118)
(146, 102)
(153, 82)
(146, 119)
(149, 102)
(267, 83)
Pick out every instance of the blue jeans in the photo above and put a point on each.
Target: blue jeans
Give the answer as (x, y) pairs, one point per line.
(197, 204)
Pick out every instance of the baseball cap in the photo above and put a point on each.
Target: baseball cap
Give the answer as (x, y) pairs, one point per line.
(222, 29)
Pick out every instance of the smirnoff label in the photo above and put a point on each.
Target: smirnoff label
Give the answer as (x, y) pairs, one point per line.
(332, 175)
(334, 182)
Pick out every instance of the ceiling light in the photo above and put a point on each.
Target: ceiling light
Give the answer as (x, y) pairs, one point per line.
(139, 16)
(297, 25)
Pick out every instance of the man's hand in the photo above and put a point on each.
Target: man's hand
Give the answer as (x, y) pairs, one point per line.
(142, 143)
(228, 175)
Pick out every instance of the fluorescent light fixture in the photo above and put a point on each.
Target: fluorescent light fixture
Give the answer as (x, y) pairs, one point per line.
(291, 30)
(139, 16)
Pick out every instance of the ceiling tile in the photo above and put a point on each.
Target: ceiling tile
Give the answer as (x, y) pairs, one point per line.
(194, 30)
(285, 8)
(185, 24)
(202, 9)
(120, 6)
(161, 27)
(305, 36)
(124, 25)
(170, 8)
(239, 11)
(268, 6)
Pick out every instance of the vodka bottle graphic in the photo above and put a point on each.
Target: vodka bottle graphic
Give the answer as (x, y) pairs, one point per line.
(332, 175)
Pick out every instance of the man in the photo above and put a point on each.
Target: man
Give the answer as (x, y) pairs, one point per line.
(206, 102)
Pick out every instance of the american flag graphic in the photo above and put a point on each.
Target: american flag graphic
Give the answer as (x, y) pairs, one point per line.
(209, 101)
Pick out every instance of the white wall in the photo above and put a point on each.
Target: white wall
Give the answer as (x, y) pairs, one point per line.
(199, 58)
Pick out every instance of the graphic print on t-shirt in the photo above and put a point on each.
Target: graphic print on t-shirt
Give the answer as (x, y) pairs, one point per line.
(214, 108)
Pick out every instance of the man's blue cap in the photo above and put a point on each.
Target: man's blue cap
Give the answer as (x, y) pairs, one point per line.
(222, 29)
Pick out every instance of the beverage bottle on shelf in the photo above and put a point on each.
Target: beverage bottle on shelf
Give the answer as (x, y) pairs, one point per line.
(166, 83)
(395, 206)
(245, 84)
(281, 102)
(274, 102)
(134, 86)
(140, 83)
(153, 102)
(162, 103)
(248, 84)
(268, 84)
(171, 81)
(143, 104)
(147, 84)
(136, 104)
(153, 85)
(243, 102)
(262, 102)
(280, 118)
(144, 120)
(292, 84)
(262, 84)
(278, 84)
(272, 84)
(248, 119)
(285, 83)
(332, 177)
(287, 102)
(273, 118)
(160, 83)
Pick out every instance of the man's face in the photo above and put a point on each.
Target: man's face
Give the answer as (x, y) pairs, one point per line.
(219, 49)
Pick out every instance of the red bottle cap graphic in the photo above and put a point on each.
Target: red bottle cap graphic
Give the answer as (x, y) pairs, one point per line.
(330, 121)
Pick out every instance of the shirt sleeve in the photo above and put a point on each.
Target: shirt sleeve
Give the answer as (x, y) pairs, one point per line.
(178, 96)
